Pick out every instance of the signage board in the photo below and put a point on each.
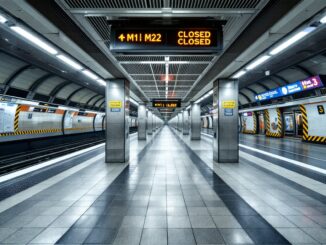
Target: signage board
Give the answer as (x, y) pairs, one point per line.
(166, 103)
(228, 112)
(296, 87)
(320, 109)
(228, 104)
(166, 39)
(115, 104)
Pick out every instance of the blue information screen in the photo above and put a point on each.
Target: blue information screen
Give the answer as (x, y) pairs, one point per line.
(296, 87)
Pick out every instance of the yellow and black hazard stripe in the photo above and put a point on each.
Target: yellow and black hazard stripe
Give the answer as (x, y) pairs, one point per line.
(35, 131)
(16, 121)
(306, 136)
(279, 132)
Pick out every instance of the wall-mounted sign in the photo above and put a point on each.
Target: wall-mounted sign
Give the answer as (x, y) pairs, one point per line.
(296, 87)
(229, 104)
(166, 39)
(166, 103)
(320, 109)
(228, 112)
(115, 104)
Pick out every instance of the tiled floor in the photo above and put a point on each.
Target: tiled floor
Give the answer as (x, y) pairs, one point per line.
(166, 195)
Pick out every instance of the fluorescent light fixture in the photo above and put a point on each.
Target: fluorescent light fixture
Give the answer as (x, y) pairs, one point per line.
(34, 39)
(167, 58)
(258, 62)
(188, 107)
(239, 74)
(90, 74)
(323, 20)
(3, 19)
(164, 62)
(69, 61)
(101, 81)
(292, 40)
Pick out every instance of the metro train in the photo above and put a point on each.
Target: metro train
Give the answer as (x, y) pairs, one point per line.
(301, 119)
(21, 119)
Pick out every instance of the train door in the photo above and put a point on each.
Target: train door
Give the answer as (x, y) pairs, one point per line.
(298, 123)
(289, 125)
(261, 123)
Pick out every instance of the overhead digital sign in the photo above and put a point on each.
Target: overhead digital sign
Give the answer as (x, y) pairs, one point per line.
(166, 103)
(296, 87)
(172, 39)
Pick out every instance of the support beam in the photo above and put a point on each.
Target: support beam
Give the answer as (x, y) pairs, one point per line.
(117, 125)
(225, 124)
(149, 122)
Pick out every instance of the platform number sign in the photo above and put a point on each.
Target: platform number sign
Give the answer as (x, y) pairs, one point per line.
(321, 109)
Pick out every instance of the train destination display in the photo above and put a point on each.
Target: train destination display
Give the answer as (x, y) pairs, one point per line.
(166, 103)
(166, 39)
(296, 87)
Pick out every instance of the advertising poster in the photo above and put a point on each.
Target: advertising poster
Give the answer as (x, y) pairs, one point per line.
(7, 117)
(248, 122)
(273, 120)
(261, 124)
(289, 122)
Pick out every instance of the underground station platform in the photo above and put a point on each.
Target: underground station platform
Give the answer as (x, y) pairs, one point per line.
(162, 122)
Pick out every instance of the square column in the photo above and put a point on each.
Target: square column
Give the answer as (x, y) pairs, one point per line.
(185, 120)
(195, 132)
(225, 121)
(149, 122)
(142, 122)
(117, 121)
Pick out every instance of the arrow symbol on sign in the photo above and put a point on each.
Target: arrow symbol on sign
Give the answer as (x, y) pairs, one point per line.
(121, 37)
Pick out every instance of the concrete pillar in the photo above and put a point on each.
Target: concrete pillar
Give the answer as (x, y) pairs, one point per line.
(142, 122)
(195, 132)
(149, 122)
(225, 121)
(185, 121)
(117, 124)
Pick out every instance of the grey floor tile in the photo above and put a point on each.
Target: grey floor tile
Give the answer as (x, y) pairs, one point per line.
(198, 211)
(156, 211)
(101, 236)
(320, 219)
(49, 235)
(198, 221)
(319, 234)
(154, 236)
(133, 221)
(155, 222)
(177, 211)
(6, 232)
(41, 221)
(279, 221)
(181, 236)
(18, 221)
(208, 236)
(75, 235)
(235, 236)
(301, 221)
(64, 221)
(227, 221)
(178, 222)
(23, 235)
(128, 236)
(296, 235)
(218, 211)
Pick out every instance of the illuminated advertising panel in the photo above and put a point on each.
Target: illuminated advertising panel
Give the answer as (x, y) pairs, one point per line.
(162, 39)
(296, 87)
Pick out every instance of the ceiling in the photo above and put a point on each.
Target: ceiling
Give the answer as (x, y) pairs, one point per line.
(184, 70)
(86, 24)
